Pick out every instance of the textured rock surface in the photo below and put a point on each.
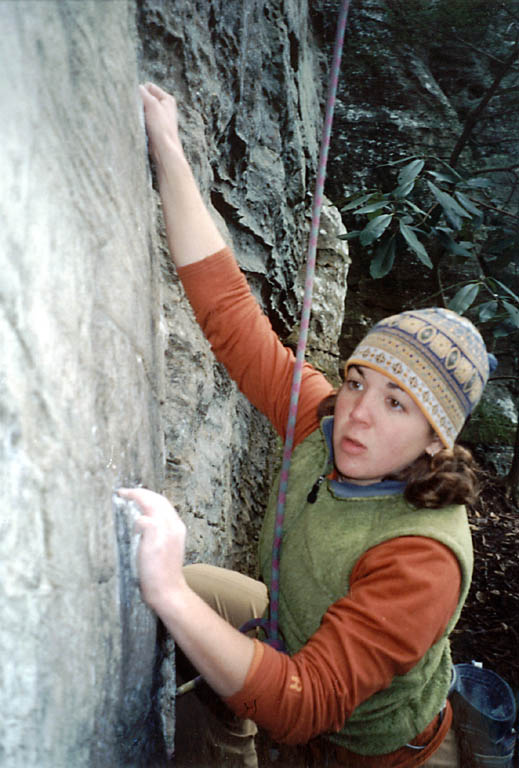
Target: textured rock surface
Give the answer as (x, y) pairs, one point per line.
(79, 386)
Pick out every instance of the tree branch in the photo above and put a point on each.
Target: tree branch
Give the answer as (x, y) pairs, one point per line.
(482, 171)
(475, 48)
(475, 114)
(489, 207)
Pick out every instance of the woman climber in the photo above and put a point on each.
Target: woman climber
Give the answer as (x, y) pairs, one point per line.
(376, 559)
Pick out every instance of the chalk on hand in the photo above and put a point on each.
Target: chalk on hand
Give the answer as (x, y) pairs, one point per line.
(127, 512)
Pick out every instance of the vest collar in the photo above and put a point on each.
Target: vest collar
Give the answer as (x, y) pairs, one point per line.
(345, 490)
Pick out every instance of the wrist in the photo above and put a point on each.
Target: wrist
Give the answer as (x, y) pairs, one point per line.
(172, 165)
(171, 603)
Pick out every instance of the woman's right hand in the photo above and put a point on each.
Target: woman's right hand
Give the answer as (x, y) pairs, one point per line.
(191, 232)
(160, 112)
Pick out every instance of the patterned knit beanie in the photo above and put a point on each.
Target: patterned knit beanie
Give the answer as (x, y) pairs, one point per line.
(437, 357)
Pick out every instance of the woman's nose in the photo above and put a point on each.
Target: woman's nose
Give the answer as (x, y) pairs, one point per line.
(361, 410)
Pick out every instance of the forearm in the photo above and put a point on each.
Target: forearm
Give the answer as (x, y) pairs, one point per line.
(191, 232)
(220, 653)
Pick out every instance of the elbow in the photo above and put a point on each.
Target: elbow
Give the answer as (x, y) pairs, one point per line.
(316, 714)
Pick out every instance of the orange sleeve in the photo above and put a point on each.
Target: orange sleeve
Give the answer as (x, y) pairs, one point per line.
(402, 595)
(242, 338)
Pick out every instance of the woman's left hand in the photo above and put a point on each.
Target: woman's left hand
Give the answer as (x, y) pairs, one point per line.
(161, 550)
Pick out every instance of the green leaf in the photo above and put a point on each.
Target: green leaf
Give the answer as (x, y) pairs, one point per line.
(447, 178)
(410, 172)
(415, 244)
(477, 183)
(487, 311)
(399, 162)
(371, 207)
(501, 330)
(451, 245)
(452, 171)
(448, 203)
(349, 235)
(469, 205)
(452, 210)
(506, 289)
(513, 313)
(382, 263)
(402, 190)
(414, 207)
(464, 298)
(375, 228)
(356, 201)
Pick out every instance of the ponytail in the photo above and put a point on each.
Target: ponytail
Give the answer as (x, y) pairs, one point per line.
(448, 477)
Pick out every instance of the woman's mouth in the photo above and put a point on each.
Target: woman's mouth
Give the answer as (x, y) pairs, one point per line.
(352, 447)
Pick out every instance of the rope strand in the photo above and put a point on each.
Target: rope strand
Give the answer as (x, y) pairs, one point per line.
(305, 323)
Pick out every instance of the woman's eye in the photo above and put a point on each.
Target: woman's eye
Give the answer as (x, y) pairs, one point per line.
(395, 405)
(353, 384)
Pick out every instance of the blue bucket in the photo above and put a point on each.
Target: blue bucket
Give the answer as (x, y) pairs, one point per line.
(484, 715)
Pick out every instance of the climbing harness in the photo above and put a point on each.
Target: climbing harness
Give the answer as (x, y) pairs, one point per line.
(270, 626)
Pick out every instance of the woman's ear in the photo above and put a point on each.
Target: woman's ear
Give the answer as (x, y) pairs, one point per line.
(434, 446)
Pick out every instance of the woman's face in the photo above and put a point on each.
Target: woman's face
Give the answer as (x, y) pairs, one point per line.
(378, 428)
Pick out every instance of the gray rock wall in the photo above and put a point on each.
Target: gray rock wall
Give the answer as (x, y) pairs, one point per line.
(248, 78)
(105, 377)
(80, 383)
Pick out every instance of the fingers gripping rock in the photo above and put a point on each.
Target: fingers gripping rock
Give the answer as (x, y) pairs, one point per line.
(127, 513)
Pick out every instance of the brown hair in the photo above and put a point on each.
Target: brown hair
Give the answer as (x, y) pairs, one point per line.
(448, 477)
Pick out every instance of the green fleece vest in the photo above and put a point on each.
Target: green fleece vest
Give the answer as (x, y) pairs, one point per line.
(322, 542)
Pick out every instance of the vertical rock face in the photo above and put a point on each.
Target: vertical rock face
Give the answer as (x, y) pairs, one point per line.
(79, 385)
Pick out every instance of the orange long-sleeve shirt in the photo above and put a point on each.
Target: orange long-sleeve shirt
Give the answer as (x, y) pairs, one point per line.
(402, 592)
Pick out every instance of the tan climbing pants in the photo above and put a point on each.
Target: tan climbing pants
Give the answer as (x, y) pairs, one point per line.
(446, 756)
(237, 598)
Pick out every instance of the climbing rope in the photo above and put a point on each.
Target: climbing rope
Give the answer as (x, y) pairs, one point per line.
(271, 625)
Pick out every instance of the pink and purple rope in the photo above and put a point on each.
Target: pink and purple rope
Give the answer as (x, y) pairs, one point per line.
(273, 629)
